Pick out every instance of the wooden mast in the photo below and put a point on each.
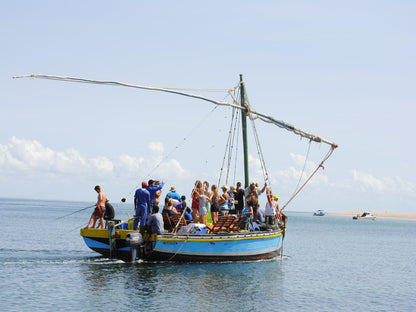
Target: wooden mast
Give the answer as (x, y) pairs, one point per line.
(244, 111)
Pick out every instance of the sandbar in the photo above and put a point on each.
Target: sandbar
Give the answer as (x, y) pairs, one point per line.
(380, 214)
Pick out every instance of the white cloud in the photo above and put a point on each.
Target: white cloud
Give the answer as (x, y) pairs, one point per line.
(30, 157)
(155, 147)
(172, 169)
(368, 183)
(103, 164)
(128, 163)
(25, 155)
(302, 170)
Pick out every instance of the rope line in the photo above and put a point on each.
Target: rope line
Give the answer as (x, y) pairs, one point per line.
(304, 166)
(228, 150)
(310, 177)
(177, 146)
(260, 153)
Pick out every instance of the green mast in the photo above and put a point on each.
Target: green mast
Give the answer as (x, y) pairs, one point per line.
(244, 128)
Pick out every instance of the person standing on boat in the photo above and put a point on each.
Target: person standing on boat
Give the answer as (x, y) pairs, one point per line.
(254, 187)
(239, 197)
(157, 195)
(202, 210)
(196, 195)
(252, 194)
(231, 194)
(223, 201)
(207, 193)
(99, 211)
(141, 206)
(270, 210)
(213, 199)
(152, 188)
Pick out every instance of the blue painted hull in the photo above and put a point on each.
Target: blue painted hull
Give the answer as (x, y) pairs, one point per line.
(193, 247)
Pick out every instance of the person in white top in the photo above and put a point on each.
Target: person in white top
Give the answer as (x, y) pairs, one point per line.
(271, 207)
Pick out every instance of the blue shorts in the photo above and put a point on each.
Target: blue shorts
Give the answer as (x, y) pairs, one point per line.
(224, 207)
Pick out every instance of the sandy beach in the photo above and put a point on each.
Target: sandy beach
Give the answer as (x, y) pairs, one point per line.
(380, 214)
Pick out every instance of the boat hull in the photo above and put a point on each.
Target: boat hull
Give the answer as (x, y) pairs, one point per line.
(364, 218)
(223, 247)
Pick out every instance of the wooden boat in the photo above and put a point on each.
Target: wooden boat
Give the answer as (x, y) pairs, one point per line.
(220, 243)
(129, 245)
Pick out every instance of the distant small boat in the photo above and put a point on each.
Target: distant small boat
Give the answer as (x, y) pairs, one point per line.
(319, 213)
(364, 216)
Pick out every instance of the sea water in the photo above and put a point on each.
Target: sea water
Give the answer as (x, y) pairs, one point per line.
(330, 263)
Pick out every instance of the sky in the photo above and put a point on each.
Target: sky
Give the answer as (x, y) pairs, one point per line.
(343, 70)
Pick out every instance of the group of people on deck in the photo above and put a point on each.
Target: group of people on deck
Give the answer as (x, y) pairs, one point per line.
(205, 199)
(223, 200)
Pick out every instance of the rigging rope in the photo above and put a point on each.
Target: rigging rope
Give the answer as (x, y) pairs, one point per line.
(180, 143)
(304, 165)
(260, 153)
(332, 148)
(228, 148)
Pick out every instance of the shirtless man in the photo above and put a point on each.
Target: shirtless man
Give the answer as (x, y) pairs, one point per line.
(99, 211)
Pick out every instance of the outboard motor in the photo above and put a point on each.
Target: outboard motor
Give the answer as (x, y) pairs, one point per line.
(134, 240)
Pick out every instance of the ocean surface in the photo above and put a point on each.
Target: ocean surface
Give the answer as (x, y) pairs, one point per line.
(330, 263)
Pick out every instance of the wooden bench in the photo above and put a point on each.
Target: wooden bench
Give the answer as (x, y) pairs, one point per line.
(177, 222)
(224, 224)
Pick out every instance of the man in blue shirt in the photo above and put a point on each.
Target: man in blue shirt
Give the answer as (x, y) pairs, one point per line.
(141, 206)
(173, 194)
(152, 188)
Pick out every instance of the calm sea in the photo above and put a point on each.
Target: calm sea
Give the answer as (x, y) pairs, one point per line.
(330, 263)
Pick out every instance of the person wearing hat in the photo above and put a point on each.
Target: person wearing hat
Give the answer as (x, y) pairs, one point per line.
(173, 194)
(142, 206)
